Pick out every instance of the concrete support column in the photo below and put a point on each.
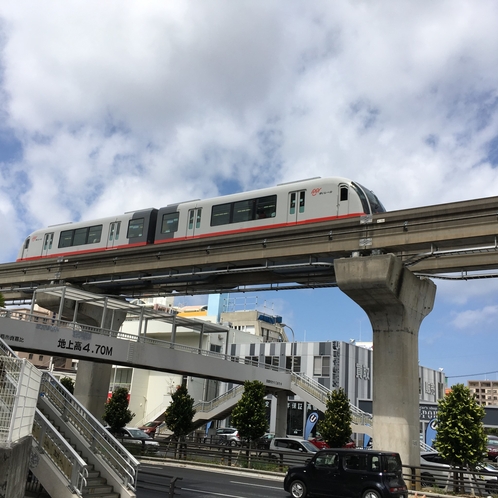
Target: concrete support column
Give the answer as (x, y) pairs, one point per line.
(281, 419)
(93, 379)
(14, 466)
(396, 302)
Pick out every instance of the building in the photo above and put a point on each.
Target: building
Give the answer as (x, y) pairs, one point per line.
(485, 391)
(333, 364)
(260, 337)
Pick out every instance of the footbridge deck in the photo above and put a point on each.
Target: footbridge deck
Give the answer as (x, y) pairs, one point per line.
(25, 332)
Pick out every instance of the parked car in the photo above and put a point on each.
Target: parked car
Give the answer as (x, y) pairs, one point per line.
(292, 445)
(150, 428)
(263, 443)
(319, 442)
(134, 435)
(345, 472)
(435, 472)
(492, 448)
(228, 435)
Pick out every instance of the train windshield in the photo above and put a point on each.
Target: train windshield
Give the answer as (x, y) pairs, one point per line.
(369, 200)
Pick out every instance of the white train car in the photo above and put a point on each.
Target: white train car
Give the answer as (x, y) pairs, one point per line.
(128, 230)
(287, 204)
(305, 201)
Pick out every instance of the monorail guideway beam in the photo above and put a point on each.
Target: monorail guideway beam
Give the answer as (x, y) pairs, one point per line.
(396, 302)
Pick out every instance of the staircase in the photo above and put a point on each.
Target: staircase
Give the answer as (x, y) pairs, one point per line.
(305, 387)
(89, 461)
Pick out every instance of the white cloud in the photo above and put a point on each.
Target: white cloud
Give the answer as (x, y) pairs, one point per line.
(476, 319)
(166, 100)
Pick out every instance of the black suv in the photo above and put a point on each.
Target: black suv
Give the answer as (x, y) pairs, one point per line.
(348, 473)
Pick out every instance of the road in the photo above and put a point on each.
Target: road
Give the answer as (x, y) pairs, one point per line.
(199, 482)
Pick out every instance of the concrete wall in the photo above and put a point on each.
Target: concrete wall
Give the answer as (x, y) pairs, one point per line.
(14, 466)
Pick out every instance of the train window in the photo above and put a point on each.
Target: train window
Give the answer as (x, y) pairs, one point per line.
(169, 223)
(344, 193)
(198, 218)
(95, 234)
(243, 211)
(136, 228)
(220, 214)
(292, 204)
(80, 236)
(114, 229)
(191, 219)
(47, 241)
(66, 238)
(301, 201)
(26, 243)
(266, 207)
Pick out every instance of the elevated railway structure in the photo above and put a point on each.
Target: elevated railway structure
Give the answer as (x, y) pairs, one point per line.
(385, 262)
(454, 240)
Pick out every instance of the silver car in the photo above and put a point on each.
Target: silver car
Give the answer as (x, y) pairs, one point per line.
(435, 472)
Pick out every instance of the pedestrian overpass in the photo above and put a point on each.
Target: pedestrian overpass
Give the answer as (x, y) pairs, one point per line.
(72, 452)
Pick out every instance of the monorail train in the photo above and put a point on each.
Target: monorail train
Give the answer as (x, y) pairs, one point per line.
(287, 204)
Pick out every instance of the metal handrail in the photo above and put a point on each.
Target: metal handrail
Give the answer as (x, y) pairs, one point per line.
(207, 406)
(49, 441)
(321, 393)
(123, 464)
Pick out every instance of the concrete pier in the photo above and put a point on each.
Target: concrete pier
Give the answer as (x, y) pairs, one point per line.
(396, 302)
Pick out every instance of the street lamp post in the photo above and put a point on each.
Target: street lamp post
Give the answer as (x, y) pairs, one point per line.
(292, 345)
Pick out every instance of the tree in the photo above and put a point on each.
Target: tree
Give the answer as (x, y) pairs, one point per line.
(2, 301)
(249, 414)
(179, 414)
(335, 427)
(460, 435)
(68, 383)
(116, 411)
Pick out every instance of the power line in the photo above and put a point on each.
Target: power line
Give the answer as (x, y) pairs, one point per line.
(471, 375)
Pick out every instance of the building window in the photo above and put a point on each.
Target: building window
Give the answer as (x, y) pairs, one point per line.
(271, 361)
(248, 360)
(297, 363)
(321, 366)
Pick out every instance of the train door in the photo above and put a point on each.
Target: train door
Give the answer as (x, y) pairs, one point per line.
(296, 210)
(343, 200)
(194, 221)
(114, 233)
(48, 240)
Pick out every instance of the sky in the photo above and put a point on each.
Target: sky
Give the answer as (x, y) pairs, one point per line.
(108, 107)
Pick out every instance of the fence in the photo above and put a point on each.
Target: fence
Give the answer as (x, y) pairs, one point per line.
(19, 387)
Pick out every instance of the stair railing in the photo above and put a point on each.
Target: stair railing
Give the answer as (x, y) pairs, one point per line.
(50, 443)
(101, 443)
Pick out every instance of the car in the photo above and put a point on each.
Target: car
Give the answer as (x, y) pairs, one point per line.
(228, 435)
(340, 472)
(319, 442)
(134, 435)
(435, 472)
(492, 448)
(263, 443)
(150, 428)
(292, 445)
